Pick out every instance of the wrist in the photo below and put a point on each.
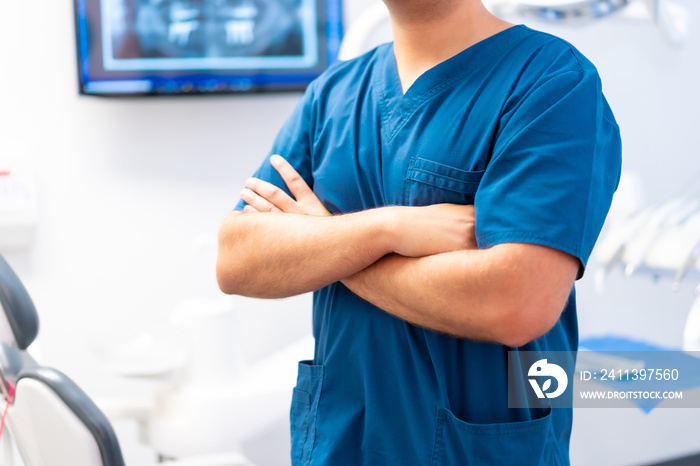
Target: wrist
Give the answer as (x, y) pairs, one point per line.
(391, 226)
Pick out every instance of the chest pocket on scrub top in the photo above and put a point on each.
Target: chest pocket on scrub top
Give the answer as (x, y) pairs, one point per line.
(429, 182)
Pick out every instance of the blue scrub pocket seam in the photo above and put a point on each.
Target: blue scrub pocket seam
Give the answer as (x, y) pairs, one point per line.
(529, 443)
(428, 182)
(299, 414)
(303, 412)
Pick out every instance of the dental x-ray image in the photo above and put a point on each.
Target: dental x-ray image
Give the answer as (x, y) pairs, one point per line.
(203, 34)
(174, 47)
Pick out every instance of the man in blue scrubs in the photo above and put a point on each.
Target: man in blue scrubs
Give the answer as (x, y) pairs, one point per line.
(439, 195)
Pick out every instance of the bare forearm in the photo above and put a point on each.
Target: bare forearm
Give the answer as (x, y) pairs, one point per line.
(425, 292)
(281, 254)
(510, 293)
(485, 295)
(297, 246)
(274, 255)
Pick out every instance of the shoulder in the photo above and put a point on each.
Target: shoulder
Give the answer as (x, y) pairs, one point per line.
(545, 66)
(547, 54)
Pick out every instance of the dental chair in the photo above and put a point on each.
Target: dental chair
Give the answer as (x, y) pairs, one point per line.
(50, 420)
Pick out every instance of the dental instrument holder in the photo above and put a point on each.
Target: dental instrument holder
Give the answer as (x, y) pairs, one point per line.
(662, 240)
(675, 212)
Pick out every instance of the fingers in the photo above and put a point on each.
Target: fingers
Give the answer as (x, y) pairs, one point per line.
(307, 201)
(266, 197)
(293, 180)
(257, 203)
(271, 193)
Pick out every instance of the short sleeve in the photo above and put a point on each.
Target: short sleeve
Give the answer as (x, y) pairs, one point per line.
(554, 167)
(293, 142)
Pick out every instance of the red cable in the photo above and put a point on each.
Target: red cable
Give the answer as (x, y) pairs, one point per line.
(10, 396)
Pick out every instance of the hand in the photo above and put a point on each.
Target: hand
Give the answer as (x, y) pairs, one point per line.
(262, 196)
(434, 229)
(417, 231)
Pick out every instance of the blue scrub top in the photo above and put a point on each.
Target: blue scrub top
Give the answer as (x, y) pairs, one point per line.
(517, 125)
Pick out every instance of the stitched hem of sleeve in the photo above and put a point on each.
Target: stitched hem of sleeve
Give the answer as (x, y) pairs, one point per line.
(492, 239)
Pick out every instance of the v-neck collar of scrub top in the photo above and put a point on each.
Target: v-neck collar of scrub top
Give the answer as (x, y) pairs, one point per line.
(396, 107)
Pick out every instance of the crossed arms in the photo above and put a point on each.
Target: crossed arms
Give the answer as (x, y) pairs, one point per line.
(419, 264)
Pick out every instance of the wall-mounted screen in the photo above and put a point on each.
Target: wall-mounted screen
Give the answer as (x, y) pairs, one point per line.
(161, 47)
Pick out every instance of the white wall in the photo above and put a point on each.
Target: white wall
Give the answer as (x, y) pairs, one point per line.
(127, 185)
